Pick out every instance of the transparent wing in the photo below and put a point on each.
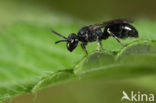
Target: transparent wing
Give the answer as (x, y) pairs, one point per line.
(115, 21)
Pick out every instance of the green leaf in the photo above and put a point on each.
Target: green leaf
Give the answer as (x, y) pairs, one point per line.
(27, 54)
(29, 59)
(135, 54)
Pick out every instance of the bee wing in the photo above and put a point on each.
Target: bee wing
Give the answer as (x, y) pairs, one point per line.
(115, 21)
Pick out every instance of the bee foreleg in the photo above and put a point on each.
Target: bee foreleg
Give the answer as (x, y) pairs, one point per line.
(83, 45)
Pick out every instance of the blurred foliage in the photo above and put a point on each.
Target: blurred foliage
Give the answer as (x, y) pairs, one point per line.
(98, 9)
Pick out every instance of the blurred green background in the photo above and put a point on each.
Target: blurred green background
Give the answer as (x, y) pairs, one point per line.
(95, 9)
(87, 10)
(86, 91)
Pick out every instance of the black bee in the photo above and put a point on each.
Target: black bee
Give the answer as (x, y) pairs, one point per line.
(118, 28)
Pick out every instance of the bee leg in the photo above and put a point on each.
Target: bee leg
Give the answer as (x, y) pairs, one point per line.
(83, 45)
(99, 45)
(115, 37)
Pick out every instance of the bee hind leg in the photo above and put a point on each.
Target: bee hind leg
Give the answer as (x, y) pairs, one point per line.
(115, 37)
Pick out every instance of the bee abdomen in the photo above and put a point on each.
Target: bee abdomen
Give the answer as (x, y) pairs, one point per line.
(122, 30)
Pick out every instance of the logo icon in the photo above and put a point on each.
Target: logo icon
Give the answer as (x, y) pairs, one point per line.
(137, 96)
(125, 96)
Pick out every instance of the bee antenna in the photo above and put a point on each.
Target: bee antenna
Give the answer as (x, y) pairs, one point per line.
(57, 34)
(60, 41)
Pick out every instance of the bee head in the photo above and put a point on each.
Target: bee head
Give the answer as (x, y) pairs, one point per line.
(72, 40)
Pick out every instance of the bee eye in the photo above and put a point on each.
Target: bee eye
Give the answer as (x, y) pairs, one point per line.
(72, 40)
